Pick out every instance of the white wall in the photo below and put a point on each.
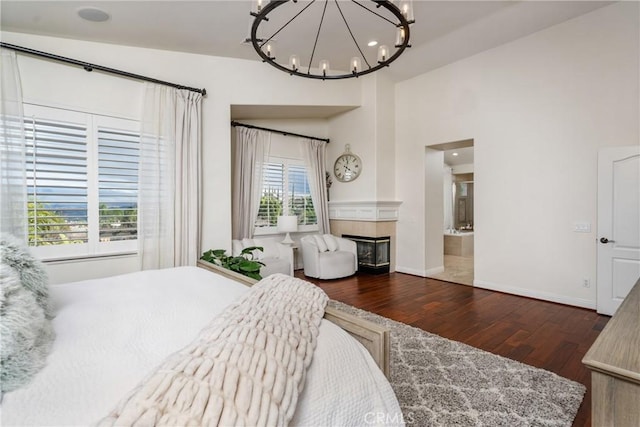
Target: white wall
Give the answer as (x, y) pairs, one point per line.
(228, 81)
(538, 109)
(433, 211)
(91, 268)
(385, 138)
(288, 146)
(458, 169)
(369, 130)
(447, 196)
(355, 128)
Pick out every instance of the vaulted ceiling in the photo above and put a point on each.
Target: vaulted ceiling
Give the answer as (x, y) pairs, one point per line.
(444, 32)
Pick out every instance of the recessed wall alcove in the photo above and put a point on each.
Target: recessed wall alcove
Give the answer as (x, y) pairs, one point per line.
(299, 119)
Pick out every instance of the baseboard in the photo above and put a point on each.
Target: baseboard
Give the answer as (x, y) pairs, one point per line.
(421, 273)
(578, 302)
(435, 270)
(412, 271)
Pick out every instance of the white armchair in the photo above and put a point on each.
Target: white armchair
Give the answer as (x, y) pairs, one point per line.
(276, 257)
(328, 257)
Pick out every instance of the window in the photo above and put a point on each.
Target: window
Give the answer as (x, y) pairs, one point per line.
(118, 158)
(56, 155)
(285, 183)
(82, 183)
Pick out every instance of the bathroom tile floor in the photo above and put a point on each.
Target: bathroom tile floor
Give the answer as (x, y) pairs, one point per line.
(457, 269)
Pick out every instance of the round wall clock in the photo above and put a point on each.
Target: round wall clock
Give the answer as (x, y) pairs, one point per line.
(347, 166)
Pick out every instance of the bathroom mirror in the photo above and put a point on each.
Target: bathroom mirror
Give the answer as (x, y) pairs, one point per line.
(463, 205)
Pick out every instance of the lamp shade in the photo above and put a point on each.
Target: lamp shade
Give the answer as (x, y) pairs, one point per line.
(287, 224)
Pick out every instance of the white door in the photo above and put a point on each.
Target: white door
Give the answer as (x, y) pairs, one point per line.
(618, 225)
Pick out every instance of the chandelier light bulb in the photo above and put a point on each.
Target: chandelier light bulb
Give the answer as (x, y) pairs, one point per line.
(356, 66)
(257, 6)
(270, 49)
(383, 53)
(294, 62)
(400, 37)
(406, 8)
(324, 67)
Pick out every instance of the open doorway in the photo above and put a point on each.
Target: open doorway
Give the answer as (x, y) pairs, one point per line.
(458, 206)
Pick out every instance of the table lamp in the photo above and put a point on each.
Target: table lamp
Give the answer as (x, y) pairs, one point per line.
(288, 224)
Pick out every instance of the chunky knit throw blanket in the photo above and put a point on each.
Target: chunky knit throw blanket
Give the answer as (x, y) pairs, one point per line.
(246, 368)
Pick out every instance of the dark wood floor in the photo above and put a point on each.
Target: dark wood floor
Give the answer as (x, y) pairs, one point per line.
(543, 334)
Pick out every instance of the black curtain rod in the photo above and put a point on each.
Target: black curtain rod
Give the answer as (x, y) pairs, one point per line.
(90, 67)
(234, 124)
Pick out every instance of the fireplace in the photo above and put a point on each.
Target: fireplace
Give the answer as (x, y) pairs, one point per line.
(373, 253)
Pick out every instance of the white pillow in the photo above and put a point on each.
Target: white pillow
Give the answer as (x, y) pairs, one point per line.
(322, 246)
(247, 243)
(332, 243)
(270, 248)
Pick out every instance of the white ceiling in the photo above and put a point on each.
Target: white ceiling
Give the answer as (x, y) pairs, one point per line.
(444, 32)
(464, 157)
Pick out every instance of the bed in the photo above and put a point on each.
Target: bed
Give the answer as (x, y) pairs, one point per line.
(112, 332)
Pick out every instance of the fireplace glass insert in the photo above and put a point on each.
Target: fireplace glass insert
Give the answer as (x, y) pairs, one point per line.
(373, 253)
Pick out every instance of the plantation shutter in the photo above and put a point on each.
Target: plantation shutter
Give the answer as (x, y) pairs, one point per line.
(56, 154)
(300, 203)
(271, 202)
(285, 184)
(118, 160)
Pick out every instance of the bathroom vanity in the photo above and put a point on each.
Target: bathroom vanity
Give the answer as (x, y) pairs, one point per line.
(458, 243)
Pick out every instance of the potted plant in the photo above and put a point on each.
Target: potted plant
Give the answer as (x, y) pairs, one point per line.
(243, 263)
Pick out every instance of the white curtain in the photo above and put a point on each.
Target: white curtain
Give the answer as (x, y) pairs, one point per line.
(13, 187)
(315, 155)
(170, 178)
(251, 151)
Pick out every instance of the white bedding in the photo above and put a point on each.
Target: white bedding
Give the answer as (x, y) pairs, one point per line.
(112, 332)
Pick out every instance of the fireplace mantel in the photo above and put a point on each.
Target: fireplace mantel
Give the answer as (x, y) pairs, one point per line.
(364, 210)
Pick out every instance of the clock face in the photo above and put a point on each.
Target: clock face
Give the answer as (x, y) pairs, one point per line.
(347, 167)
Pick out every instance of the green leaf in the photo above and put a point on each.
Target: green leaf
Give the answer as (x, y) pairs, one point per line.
(249, 266)
(243, 264)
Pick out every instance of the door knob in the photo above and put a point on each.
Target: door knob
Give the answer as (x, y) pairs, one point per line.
(605, 240)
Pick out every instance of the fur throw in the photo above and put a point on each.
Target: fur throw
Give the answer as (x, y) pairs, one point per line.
(32, 274)
(26, 333)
